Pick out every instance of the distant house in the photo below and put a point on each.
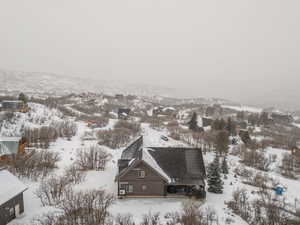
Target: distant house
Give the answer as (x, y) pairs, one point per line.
(12, 106)
(164, 111)
(11, 197)
(10, 146)
(296, 152)
(245, 136)
(124, 113)
(160, 172)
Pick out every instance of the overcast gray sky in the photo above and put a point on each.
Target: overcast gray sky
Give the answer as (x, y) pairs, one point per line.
(245, 50)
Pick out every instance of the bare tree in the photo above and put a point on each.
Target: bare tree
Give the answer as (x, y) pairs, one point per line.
(92, 158)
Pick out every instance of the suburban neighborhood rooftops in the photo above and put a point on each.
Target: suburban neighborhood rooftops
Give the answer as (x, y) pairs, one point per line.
(10, 186)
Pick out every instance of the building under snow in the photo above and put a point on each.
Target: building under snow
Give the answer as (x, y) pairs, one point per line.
(160, 172)
(10, 146)
(11, 197)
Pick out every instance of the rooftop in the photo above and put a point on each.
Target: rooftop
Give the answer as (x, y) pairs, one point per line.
(10, 186)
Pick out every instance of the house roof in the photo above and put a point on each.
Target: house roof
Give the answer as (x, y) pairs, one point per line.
(10, 186)
(182, 165)
(124, 111)
(148, 159)
(175, 165)
(132, 150)
(9, 145)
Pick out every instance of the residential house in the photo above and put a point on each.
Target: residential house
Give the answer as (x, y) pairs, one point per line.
(124, 113)
(11, 197)
(160, 172)
(10, 146)
(164, 111)
(13, 106)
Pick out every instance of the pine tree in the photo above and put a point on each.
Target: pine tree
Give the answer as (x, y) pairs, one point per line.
(225, 166)
(23, 97)
(231, 127)
(215, 183)
(193, 124)
(222, 142)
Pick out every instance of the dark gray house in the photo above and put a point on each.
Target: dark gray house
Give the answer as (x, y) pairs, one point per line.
(161, 172)
(11, 197)
(124, 113)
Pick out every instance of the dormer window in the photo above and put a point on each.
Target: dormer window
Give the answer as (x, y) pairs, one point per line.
(141, 174)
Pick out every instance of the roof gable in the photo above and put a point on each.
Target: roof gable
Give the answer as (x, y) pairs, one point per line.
(10, 186)
(135, 164)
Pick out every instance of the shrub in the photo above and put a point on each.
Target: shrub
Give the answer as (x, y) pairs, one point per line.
(92, 158)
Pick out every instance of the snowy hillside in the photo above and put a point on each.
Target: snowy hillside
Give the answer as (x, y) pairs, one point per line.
(70, 146)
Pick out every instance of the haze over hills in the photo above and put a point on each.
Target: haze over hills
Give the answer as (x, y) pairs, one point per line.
(59, 84)
(39, 82)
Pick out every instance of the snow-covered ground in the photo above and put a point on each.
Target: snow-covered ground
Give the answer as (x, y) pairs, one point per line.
(39, 115)
(138, 207)
(243, 108)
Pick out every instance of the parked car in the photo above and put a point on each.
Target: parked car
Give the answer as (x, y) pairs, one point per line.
(165, 138)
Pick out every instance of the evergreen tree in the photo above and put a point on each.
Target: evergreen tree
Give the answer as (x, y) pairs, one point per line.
(231, 127)
(219, 124)
(193, 124)
(225, 166)
(264, 118)
(23, 97)
(240, 115)
(222, 142)
(215, 183)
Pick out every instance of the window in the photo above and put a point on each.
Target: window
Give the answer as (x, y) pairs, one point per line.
(127, 187)
(141, 174)
(130, 188)
(144, 187)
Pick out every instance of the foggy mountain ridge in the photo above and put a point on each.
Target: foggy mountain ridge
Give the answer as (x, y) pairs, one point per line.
(51, 83)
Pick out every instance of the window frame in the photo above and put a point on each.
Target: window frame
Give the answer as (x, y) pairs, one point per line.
(141, 174)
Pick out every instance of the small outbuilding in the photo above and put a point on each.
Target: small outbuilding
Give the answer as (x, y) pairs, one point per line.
(10, 146)
(11, 197)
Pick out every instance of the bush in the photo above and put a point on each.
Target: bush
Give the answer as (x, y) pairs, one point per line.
(74, 175)
(51, 191)
(92, 158)
(120, 136)
(35, 165)
(90, 207)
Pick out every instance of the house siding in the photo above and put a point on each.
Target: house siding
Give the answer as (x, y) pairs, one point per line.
(155, 185)
(5, 216)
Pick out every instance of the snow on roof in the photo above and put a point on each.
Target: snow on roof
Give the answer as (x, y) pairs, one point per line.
(9, 145)
(10, 186)
(152, 163)
(169, 108)
(13, 101)
(13, 139)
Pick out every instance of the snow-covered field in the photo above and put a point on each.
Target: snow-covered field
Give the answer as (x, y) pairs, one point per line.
(39, 115)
